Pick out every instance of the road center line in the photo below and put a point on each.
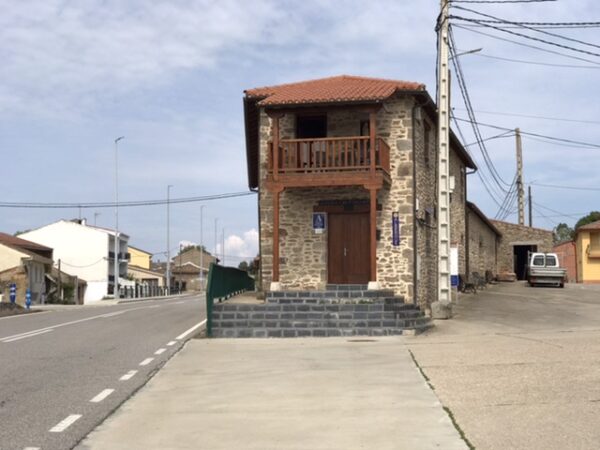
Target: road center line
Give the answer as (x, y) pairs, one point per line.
(191, 330)
(128, 375)
(160, 350)
(25, 336)
(178, 303)
(102, 395)
(154, 306)
(73, 322)
(171, 343)
(146, 361)
(65, 423)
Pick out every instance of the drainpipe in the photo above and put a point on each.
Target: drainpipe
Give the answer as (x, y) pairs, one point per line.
(415, 243)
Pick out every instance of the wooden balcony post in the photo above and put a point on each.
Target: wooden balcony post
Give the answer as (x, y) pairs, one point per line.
(373, 237)
(275, 281)
(275, 132)
(372, 133)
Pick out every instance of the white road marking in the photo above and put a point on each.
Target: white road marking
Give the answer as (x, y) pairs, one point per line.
(128, 376)
(160, 350)
(31, 448)
(117, 313)
(154, 306)
(178, 303)
(191, 330)
(102, 395)
(65, 423)
(171, 343)
(73, 322)
(25, 336)
(146, 361)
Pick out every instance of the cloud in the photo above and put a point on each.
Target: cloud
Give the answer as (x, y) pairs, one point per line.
(240, 247)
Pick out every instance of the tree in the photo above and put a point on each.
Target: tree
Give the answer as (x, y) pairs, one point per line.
(591, 217)
(243, 266)
(563, 233)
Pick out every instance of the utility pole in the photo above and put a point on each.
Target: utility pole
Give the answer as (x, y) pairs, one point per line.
(520, 187)
(223, 245)
(201, 248)
(169, 239)
(216, 238)
(59, 282)
(530, 203)
(443, 132)
(96, 214)
(116, 269)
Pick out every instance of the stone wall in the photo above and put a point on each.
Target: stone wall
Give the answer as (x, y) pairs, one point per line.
(304, 254)
(425, 163)
(482, 246)
(513, 234)
(458, 231)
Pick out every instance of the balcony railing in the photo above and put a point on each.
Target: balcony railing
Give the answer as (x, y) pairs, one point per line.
(348, 154)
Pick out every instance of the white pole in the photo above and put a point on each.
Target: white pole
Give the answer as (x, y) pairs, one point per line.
(168, 240)
(443, 104)
(223, 245)
(201, 248)
(116, 240)
(216, 238)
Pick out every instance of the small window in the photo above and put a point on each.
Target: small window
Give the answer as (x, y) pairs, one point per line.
(538, 260)
(551, 261)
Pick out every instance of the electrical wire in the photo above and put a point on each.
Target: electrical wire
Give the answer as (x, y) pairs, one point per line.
(124, 204)
(528, 116)
(568, 141)
(558, 186)
(501, 1)
(522, 44)
(515, 33)
(467, 101)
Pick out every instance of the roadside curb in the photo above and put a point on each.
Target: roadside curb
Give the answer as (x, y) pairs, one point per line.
(162, 297)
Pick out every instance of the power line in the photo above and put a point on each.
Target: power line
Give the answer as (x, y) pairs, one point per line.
(528, 116)
(547, 33)
(124, 204)
(467, 101)
(568, 141)
(521, 61)
(546, 24)
(522, 44)
(558, 186)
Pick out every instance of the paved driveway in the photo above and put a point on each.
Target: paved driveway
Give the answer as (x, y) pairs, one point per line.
(519, 367)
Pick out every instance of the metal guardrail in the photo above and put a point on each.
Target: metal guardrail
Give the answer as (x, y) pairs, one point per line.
(224, 282)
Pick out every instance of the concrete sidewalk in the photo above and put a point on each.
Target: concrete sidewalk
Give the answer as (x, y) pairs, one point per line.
(282, 394)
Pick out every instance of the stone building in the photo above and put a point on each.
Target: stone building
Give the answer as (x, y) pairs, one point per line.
(349, 197)
(516, 242)
(482, 243)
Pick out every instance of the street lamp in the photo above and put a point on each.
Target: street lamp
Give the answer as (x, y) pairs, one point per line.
(201, 247)
(168, 240)
(116, 240)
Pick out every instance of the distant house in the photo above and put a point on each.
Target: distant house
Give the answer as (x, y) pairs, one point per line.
(140, 268)
(515, 244)
(482, 243)
(185, 267)
(25, 264)
(587, 243)
(85, 251)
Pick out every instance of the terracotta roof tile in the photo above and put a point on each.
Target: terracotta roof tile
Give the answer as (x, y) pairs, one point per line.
(14, 241)
(338, 89)
(590, 226)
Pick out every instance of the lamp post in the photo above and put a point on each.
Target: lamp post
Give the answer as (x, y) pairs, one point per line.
(116, 246)
(168, 239)
(201, 248)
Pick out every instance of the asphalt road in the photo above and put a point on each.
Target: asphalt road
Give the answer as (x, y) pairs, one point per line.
(63, 372)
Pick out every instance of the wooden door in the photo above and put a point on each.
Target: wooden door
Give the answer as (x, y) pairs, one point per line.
(348, 253)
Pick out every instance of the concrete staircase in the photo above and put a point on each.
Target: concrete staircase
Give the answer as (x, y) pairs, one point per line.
(340, 310)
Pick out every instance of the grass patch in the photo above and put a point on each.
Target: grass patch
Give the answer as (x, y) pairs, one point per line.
(423, 374)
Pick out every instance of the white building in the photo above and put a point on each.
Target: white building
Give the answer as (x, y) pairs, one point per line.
(85, 251)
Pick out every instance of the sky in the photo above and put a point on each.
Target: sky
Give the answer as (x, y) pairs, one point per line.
(169, 77)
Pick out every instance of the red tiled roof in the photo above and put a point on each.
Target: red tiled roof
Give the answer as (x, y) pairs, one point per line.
(590, 226)
(14, 241)
(338, 89)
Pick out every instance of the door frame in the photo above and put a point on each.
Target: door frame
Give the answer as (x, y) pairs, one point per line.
(359, 212)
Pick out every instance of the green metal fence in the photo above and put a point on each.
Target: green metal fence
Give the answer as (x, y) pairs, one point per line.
(224, 282)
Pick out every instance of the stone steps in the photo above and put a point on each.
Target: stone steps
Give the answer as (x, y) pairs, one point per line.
(341, 310)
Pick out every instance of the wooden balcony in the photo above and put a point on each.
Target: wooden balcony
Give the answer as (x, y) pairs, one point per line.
(329, 162)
